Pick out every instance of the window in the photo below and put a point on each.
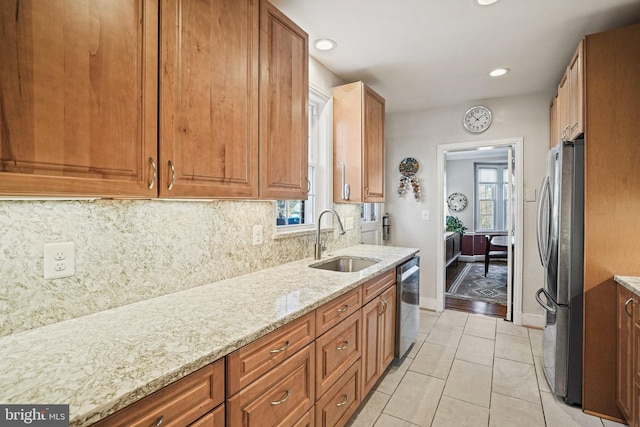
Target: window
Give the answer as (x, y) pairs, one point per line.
(369, 212)
(492, 194)
(301, 214)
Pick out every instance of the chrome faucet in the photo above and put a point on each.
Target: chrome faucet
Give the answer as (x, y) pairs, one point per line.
(318, 248)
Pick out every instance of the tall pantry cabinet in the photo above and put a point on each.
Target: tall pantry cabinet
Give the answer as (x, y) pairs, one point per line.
(603, 75)
(82, 93)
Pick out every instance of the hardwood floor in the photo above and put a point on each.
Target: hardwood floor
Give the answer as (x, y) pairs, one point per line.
(468, 306)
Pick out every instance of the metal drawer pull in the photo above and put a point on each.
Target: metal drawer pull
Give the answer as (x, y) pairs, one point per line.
(384, 304)
(159, 421)
(626, 304)
(173, 176)
(154, 168)
(283, 348)
(284, 399)
(343, 345)
(344, 401)
(343, 308)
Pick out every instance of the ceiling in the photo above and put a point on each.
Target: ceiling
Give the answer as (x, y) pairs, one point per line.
(422, 54)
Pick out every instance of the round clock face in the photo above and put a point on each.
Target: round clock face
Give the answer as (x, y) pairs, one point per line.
(477, 119)
(457, 201)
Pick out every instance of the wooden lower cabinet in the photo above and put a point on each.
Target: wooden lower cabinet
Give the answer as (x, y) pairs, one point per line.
(278, 398)
(627, 369)
(307, 419)
(378, 320)
(215, 418)
(342, 399)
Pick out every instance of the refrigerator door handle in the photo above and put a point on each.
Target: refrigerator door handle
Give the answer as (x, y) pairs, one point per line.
(545, 305)
(545, 195)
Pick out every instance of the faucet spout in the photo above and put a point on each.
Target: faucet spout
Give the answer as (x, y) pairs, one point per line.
(318, 246)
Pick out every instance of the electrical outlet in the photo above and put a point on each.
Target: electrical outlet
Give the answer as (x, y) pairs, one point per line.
(59, 260)
(348, 223)
(257, 235)
(425, 215)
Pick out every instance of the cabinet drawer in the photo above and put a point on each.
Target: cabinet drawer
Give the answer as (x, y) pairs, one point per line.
(340, 308)
(341, 400)
(214, 418)
(282, 396)
(336, 351)
(306, 420)
(251, 361)
(378, 284)
(179, 404)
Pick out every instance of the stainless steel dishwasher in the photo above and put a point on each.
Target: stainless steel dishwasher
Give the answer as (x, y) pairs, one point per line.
(407, 305)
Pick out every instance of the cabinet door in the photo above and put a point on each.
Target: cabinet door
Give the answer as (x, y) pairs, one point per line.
(340, 402)
(625, 374)
(370, 343)
(387, 328)
(373, 142)
(554, 135)
(576, 94)
(209, 98)
(78, 99)
(284, 105)
(563, 107)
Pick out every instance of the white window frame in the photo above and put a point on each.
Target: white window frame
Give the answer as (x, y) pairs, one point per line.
(500, 221)
(320, 151)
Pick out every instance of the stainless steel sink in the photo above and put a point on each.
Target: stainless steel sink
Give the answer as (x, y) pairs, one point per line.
(345, 264)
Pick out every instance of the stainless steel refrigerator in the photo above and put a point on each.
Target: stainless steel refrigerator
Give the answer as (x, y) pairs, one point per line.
(560, 232)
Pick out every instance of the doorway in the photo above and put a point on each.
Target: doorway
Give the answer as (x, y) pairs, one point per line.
(481, 191)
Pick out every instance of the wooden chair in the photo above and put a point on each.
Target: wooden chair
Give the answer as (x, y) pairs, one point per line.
(492, 251)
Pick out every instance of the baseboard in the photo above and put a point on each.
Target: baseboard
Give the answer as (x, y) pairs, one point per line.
(430, 304)
(531, 320)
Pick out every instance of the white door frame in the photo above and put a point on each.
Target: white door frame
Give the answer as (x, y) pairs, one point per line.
(518, 153)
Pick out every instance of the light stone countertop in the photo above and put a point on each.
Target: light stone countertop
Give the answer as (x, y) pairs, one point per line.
(629, 282)
(102, 362)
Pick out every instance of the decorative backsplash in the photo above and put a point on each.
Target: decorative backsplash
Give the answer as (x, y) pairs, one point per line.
(132, 250)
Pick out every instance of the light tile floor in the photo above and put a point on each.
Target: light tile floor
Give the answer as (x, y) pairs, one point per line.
(469, 370)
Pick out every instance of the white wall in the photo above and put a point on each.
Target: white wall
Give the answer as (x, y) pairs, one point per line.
(417, 134)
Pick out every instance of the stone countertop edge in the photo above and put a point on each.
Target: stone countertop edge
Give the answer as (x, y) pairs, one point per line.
(630, 282)
(103, 362)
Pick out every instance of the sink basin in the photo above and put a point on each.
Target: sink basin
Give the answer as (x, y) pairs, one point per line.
(345, 264)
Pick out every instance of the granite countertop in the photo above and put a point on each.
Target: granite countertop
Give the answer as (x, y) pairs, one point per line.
(629, 282)
(102, 362)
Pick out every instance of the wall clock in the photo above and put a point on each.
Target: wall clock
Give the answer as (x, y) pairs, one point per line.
(457, 201)
(477, 119)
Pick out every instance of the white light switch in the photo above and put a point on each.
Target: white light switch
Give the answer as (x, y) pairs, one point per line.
(348, 223)
(59, 260)
(257, 235)
(425, 215)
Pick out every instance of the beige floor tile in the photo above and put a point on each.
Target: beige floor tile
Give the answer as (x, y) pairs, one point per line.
(482, 327)
(434, 360)
(508, 411)
(453, 318)
(608, 423)
(469, 382)
(371, 410)
(429, 312)
(509, 328)
(515, 379)
(559, 414)
(392, 376)
(416, 398)
(389, 421)
(535, 339)
(427, 322)
(514, 348)
(456, 413)
(445, 335)
(542, 380)
(476, 350)
(416, 346)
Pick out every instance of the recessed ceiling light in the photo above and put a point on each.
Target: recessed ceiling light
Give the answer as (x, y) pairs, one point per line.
(499, 72)
(324, 44)
(485, 2)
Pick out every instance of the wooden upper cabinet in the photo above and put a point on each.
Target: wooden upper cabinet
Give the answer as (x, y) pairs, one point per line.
(284, 94)
(209, 98)
(358, 144)
(554, 134)
(575, 113)
(78, 103)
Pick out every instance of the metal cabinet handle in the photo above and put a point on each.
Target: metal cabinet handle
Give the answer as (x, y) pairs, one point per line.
(343, 308)
(284, 399)
(344, 401)
(159, 421)
(380, 305)
(344, 345)
(154, 176)
(346, 189)
(384, 304)
(281, 349)
(626, 304)
(173, 176)
(308, 186)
